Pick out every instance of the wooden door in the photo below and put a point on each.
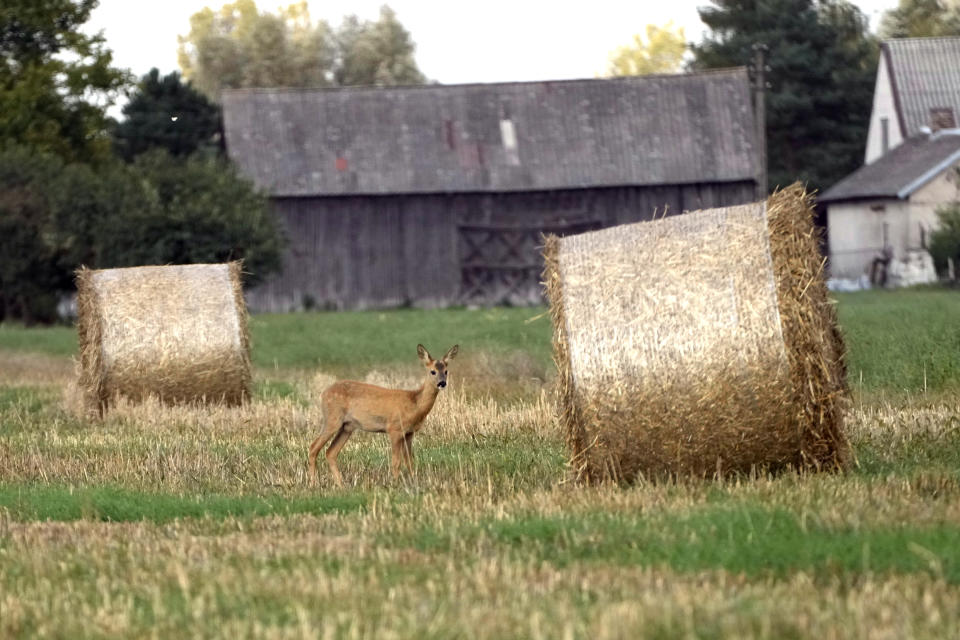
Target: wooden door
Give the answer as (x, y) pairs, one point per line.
(501, 264)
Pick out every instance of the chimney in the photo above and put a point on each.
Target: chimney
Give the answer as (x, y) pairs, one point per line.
(942, 118)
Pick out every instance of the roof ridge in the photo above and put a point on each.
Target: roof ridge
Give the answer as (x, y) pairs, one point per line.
(920, 39)
(437, 85)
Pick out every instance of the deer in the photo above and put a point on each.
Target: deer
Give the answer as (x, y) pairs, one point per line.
(348, 406)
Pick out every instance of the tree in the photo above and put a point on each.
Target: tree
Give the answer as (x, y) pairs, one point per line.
(660, 52)
(240, 46)
(55, 216)
(29, 278)
(170, 114)
(204, 212)
(375, 53)
(921, 18)
(822, 62)
(55, 82)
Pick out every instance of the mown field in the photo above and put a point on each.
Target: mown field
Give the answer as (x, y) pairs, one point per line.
(192, 522)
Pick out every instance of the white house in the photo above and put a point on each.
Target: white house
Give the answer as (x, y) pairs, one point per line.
(918, 85)
(890, 205)
(883, 213)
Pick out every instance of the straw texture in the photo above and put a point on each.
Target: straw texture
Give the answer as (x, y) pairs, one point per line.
(697, 344)
(176, 332)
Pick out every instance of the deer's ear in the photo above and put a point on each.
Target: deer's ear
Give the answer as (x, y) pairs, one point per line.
(423, 353)
(452, 353)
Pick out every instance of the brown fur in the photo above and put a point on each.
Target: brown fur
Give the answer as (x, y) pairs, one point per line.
(348, 406)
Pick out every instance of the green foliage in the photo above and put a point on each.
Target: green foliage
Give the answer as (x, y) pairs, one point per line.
(33, 249)
(167, 113)
(822, 62)
(661, 51)
(55, 82)
(194, 211)
(945, 239)
(921, 19)
(375, 53)
(56, 216)
(240, 46)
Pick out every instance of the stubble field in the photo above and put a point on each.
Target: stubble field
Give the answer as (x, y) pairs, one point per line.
(199, 522)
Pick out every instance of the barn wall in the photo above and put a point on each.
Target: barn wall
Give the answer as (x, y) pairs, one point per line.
(362, 252)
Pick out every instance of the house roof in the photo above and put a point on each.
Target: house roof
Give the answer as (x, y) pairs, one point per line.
(901, 171)
(667, 129)
(926, 75)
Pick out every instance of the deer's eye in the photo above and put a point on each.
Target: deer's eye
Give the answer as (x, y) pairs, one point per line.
(433, 373)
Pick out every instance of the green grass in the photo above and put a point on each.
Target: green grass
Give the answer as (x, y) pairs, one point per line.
(898, 341)
(353, 340)
(907, 340)
(362, 339)
(731, 534)
(54, 341)
(26, 502)
(750, 538)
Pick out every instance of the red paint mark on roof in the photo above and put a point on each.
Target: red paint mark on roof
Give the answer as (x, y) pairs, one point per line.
(342, 164)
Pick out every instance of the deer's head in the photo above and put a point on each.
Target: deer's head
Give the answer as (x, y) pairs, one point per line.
(437, 368)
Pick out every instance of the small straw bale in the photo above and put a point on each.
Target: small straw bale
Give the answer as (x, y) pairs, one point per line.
(698, 344)
(175, 332)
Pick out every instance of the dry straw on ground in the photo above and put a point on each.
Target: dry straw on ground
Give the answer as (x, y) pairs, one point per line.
(698, 344)
(176, 332)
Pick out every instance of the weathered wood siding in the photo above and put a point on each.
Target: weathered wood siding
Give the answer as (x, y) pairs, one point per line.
(362, 252)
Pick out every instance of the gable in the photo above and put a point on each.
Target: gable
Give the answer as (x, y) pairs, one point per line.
(885, 130)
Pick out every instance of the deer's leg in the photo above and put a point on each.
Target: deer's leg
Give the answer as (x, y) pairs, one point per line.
(333, 451)
(332, 425)
(397, 445)
(330, 429)
(408, 451)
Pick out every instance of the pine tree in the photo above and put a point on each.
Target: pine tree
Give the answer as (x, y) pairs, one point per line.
(821, 63)
(167, 113)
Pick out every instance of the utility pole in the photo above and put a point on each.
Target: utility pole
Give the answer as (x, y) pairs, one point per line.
(760, 116)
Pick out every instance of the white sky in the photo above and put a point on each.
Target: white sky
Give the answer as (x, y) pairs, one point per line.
(457, 42)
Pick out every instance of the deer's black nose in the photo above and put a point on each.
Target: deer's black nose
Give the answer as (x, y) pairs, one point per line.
(442, 384)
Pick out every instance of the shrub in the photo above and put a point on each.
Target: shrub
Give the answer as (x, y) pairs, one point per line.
(945, 240)
(199, 210)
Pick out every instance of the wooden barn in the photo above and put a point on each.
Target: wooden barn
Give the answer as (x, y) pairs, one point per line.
(438, 195)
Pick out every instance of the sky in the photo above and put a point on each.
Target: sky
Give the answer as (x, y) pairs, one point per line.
(457, 42)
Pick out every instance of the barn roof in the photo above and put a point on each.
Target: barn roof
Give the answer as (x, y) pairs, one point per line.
(668, 129)
(926, 77)
(901, 171)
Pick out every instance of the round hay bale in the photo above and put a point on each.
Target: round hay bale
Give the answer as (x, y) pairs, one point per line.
(698, 344)
(175, 332)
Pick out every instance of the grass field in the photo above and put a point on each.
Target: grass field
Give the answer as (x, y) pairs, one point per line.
(181, 521)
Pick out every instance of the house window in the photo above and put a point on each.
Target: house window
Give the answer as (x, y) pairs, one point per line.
(942, 118)
(884, 135)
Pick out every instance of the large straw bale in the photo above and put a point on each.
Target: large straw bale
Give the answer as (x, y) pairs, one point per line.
(697, 344)
(176, 332)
